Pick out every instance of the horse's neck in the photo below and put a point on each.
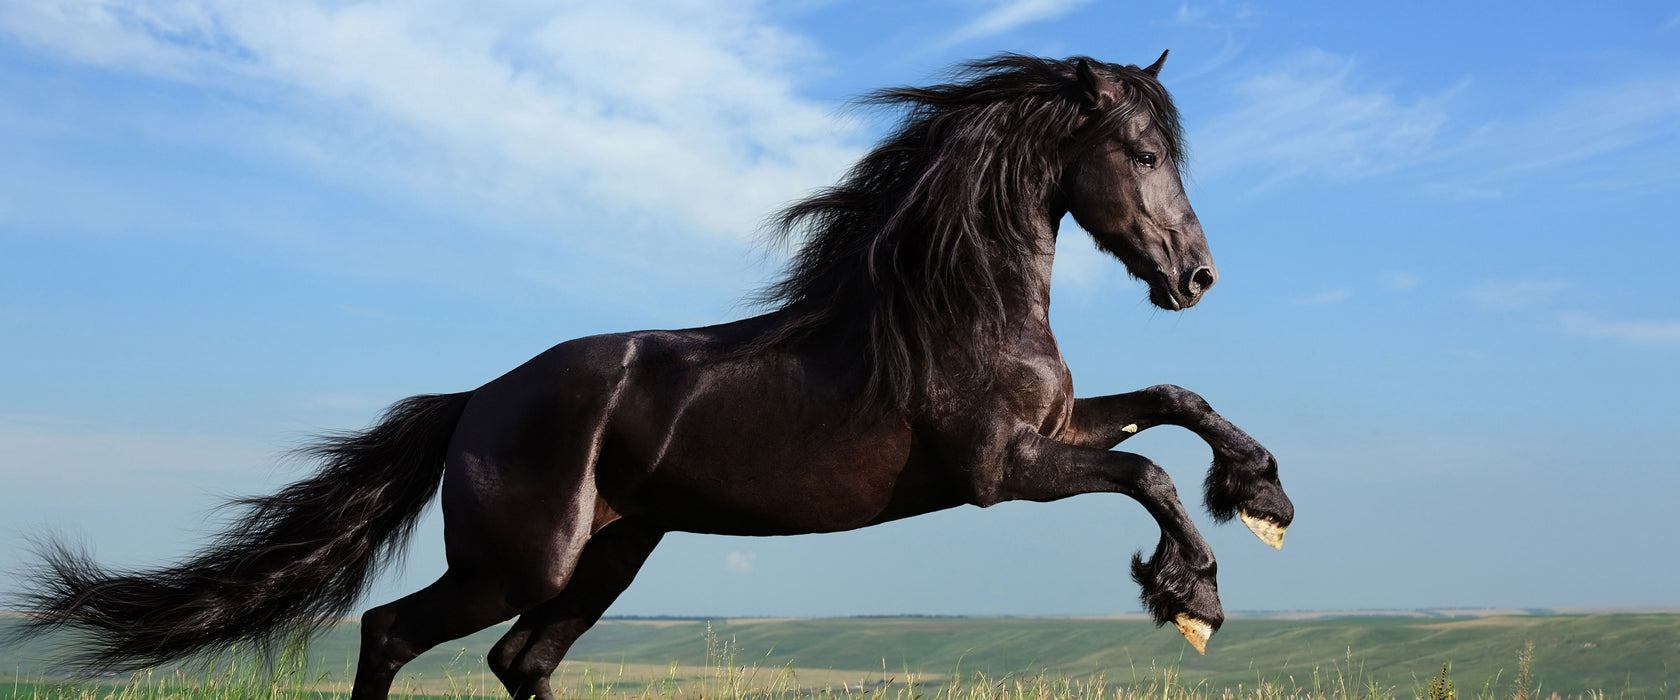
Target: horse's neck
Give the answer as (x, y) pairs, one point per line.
(1031, 299)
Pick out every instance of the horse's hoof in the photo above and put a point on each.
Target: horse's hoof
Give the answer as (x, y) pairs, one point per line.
(1269, 532)
(1194, 630)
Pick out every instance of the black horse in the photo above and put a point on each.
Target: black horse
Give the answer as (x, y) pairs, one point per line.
(907, 366)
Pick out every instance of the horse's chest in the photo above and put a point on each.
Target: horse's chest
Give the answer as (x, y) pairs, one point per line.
(1037, 390)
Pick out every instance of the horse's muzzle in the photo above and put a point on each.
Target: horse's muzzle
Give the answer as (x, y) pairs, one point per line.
(1183, 292)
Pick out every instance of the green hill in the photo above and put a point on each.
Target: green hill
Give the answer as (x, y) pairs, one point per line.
(1628, 655)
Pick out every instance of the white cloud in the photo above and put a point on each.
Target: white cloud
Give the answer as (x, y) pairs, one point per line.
(1311, 115)
(685, 111)
(1218, 15)
(1640, 332)
(1579, 128)
(1463, 193)
(1010, 14)
(1400, 281)
(1516, 295)
(740, 562)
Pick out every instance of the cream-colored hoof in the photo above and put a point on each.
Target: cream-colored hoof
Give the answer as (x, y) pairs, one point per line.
(1195, 631)
(1269, 532)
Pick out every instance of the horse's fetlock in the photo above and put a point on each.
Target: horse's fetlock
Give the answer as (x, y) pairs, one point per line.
(1174, 583)
(521, 673)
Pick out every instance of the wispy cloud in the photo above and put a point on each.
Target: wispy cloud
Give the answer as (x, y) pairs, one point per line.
(1313, 115)
(1398, 281)
(1007, 15)
(1640, 332)
(1462, 192)
(1580, 127)
(1517, 294)
(660, 107)
(740, 562)
(1233, 20)
(1215, 15)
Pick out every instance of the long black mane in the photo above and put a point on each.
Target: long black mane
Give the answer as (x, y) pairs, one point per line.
(913, 252)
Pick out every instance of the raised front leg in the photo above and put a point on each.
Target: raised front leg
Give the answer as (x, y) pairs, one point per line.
(1243, 480)
(1179, 583)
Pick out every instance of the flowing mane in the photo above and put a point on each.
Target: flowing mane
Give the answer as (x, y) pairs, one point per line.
(917, 243)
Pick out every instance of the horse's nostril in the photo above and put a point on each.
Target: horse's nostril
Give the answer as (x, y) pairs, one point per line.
(1198, 281)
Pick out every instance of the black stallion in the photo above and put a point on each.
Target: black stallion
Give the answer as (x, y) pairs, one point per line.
(907, 366)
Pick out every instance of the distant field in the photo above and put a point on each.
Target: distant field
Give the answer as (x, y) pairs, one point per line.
(1623, 655)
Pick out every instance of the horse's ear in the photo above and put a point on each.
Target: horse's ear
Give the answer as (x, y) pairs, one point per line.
(1154, 69)
(1092, 89)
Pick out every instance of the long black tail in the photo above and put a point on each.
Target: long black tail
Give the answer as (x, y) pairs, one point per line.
(296, 560)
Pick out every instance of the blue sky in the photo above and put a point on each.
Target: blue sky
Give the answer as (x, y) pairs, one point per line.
(1445, 231)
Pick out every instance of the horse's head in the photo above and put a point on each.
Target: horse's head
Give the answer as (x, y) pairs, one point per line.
(1122, 183)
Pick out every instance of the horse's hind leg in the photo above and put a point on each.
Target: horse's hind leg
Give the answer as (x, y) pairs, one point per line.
(456, 605)
(505, 557)
(528, 654)
(472, 595)
(518, 499)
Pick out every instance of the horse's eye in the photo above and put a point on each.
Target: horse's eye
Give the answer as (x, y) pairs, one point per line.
(1146, 160)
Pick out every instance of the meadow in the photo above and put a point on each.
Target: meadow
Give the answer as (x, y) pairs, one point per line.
(1347, 658)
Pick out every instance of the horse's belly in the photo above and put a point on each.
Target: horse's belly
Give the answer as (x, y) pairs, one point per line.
(766, 491)
(703, 442)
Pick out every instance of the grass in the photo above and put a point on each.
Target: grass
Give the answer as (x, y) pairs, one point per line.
(1523, 658)
(728, 680)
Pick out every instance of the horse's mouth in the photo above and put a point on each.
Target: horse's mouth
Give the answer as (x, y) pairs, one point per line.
(1166, 290)
(1180, 292)
(1161, 292)
(1164, 295)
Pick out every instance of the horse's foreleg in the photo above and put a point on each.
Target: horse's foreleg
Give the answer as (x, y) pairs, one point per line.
(1244, 477)
(1178, 582)
(527, 655)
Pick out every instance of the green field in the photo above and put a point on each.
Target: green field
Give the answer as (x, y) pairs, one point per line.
(1623, 655)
